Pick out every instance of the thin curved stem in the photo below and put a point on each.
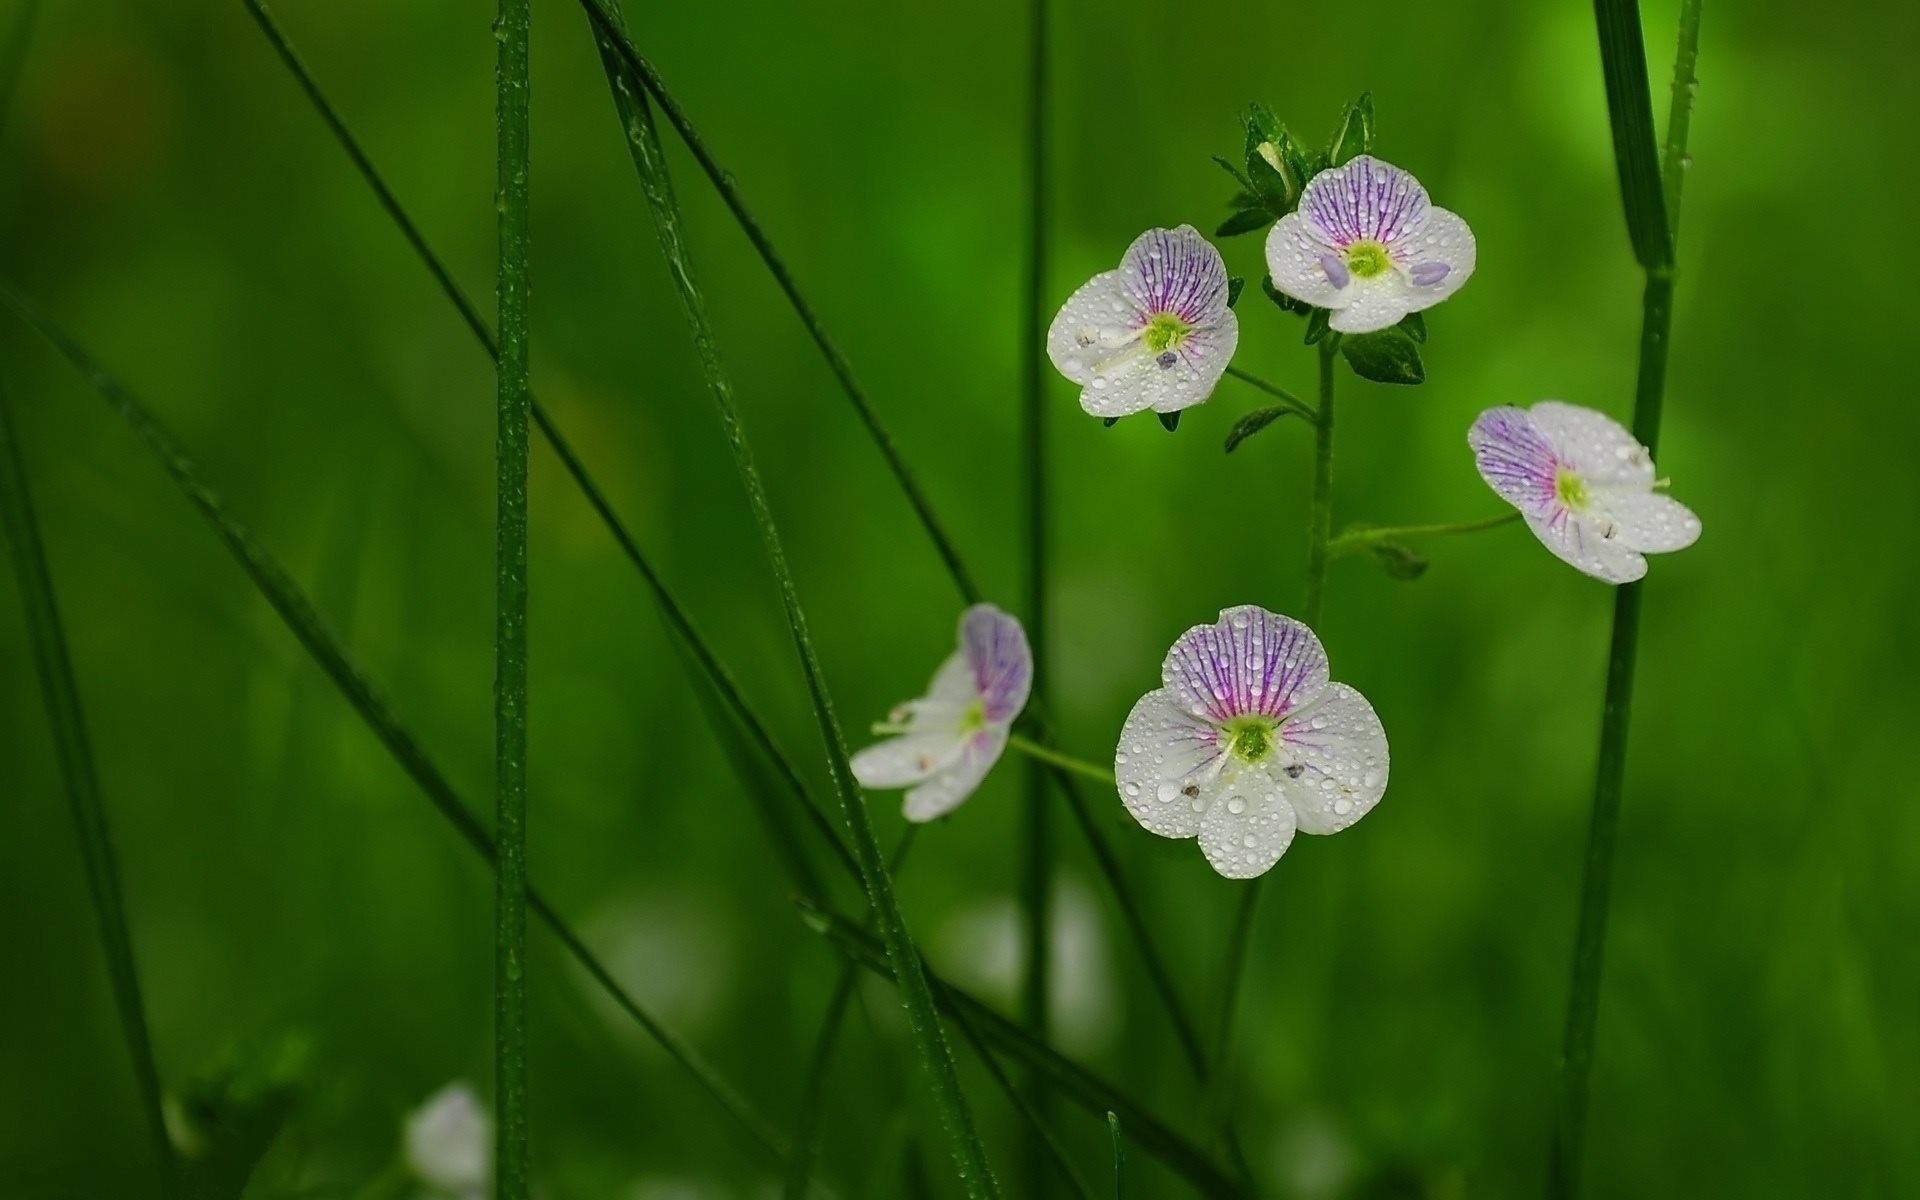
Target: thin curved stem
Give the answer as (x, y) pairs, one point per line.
(1279, 393)
(1044, 753)
(1653, 215)
(1359, 539)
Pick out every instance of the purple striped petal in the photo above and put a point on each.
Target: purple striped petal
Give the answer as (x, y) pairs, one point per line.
(1365, 199)
(1176, 271)
(995, 648)
(1515, 458)
(1251, 661)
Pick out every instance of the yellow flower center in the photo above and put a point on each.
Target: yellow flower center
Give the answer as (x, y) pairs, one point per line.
(1165, 332)
(1250, 739)
(1571, 490)
(1367, 258)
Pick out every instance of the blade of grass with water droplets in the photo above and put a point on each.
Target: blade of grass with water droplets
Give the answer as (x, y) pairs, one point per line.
(969, 1155)
(62, 697)
(300, 618)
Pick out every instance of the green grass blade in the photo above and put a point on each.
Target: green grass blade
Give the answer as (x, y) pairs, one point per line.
(1119, 1158)
(626, 59)
(970, 1156)
(671, 610)
(1152, 1135)
(306, 625)
(62, 696)
(1036, 842)
(1052, 1156)
(13, 56)
(1631, 107)
(510, 1147)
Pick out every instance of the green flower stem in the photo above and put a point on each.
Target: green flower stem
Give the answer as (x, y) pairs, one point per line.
(1358, 540)
(90, 824)
(969, 1155)
(1279, 393)
(1653, 213)
(1041, 752)
(511, 1154)
(296, 611)
(1036, 844)
(701, 652)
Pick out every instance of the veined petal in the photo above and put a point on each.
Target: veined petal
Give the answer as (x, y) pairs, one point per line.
(1139, 381)
(1578, 540)
(1369, 305)
(1176, 271)
(1601, 449)
(1295, 263)
(1098, 323)
(1365, 199)
(949, 787)
(999, 662)
(1250, 661)
(908, 759)
(1515, 458)
(1647, 521)
(1166, 762)
(1340, 750)
(1437, 258)
(1247, 828)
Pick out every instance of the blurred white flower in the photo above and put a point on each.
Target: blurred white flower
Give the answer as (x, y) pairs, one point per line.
(951, 737)
(1584, 484)
(449, 1143)
(1367, 244)
(1247, 741)
(983, 947)
(1155, 334)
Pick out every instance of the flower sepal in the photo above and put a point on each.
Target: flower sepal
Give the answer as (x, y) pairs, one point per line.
(1387, 355)
(1354, 136)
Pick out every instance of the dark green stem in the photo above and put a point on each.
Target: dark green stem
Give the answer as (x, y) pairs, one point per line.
(1357, 540)
(1279, 393)
(970, 1156)
(62, 695)
(511, 1156)
(1653, 220)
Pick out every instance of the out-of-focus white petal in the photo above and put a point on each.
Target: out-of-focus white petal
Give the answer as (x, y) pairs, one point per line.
(908, 759)
(1647, 521)
(1247, 828)
(1601, 449)
(1581, 542)
(1250, 661)
(449, 1141)
(1164, 765)
(948, 788)
(1339, 749)
(1297, 262)
(999, 661)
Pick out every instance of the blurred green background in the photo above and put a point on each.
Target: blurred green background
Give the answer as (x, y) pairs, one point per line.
(170, 197)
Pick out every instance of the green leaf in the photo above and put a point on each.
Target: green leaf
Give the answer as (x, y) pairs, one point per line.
(1385, 356)
(1245, 221)
(1287, 303)
(1399, 562)
(1317, 325)
(1354, 137)
(229, 1115)
(1240, 176)
(1169, 421)
(1254, 422)
(1274, 163)
(1235, 285)
(1415, 326)
(1243, 198)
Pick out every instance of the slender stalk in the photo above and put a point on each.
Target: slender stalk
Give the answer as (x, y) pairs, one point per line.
(296, 611)
(1277, 392)
(1359, 539)
(1036, 844)
(1041, 752)
(1119, 1158)
(1051, 1153)
(703, 655)
(1653, 220)
(511, 1156)
(13, 56)
(64, 714)
(969, 1155)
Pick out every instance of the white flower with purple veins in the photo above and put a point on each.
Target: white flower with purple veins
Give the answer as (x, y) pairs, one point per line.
(1584, 485)
(1155, 334)
(1247, 741)
(950, 738)
(1366, 243)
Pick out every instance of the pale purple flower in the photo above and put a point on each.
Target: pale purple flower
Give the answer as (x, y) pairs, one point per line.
(1247, 741)
(1155, 334)
(1366, 243)
(950, 738)
(449, 1144)
(1584, 484)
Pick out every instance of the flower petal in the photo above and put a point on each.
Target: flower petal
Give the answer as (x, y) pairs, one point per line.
(1601, 449)
(949, 787)
(908, 759)
(1515, 458)
(1365, 199)
(1647, 521)
(1577, 540)
(1136, 381)
(1370, 305)
(1250, 661)
(1341, 748)
(1097, 322)
(1437, 258)
(1247, 828)
(1295, 263)
(1165, 764)
(998, 659)
(1176, 271)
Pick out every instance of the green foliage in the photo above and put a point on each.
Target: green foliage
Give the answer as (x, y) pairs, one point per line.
(1254, 422)
(1384, 356)
(1354, 135)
